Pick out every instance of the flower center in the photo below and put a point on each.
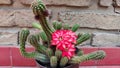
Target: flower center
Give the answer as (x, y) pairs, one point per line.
(66, 49)
(60, 38)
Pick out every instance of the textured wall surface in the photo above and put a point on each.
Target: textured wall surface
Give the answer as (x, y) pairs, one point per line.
(101, 18)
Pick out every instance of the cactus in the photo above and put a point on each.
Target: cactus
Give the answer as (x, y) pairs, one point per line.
(66, 27)
(62, 51)
(63, 61)
(80, 52)
(41, 13)
(94, 55)
(37, 25)
(75, 27)
(49, 52)
(43, 36)
(33, 40)
(23, 37)
(58, 54)
(57, 25)
(83, 38)
(53, 61)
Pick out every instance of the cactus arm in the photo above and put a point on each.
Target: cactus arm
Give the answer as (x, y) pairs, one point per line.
(34, 55)
(40, 12)
(83, 38)
(34, 41)
(23, 37)
(91, 56)
(75, 27)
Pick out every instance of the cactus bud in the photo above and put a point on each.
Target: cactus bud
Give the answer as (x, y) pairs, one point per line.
(57, 25)
(39, 8)
(36, 25)
(66, 27)
(53, 61)
(75, 27)
(63, 61)
(58, 54)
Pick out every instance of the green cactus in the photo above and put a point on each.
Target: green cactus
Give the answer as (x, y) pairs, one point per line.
(49, 52)
(75, 27)
(37, 25)
(43, 36)
(57, 25)
(58, 54)
(94, 55)
(80, 52)
(79, 35)
(41, 12)
(83, 38)
(63, 61)
(66, 27)
(23, 37)
(33, 40)
(53, 62)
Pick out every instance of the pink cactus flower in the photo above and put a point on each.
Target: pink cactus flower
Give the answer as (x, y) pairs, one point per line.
(63, 35)
(64, 40)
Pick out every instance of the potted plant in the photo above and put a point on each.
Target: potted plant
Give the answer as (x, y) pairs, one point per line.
(58, 47)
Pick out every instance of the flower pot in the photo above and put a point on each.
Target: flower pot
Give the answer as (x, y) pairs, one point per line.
(40, 65)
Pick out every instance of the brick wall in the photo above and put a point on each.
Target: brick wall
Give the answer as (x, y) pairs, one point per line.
(101, 18)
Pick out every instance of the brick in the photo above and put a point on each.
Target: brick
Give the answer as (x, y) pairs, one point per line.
(117, 3)
(8, 38)
(105, 3)
(5, 2)
(91, 20)
(7, 18)
(24, 18)
(26, 2)
(106, 39)
(84, 3)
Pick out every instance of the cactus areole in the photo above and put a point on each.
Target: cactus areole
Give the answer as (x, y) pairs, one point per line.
(56, 45)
